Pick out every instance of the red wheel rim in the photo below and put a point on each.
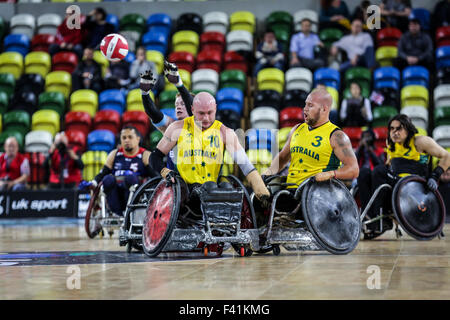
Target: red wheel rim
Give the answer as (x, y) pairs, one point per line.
(156, 224)
(242, 251)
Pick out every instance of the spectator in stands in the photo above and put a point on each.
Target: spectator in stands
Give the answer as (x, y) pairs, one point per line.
(414, 47)
(140, 65)
(14, 167)
(96, 28)
(88, 73)
(302, 48)
(441, 15)
(68, 39)
(395, 13)
(64, 163)
(118, 75)
(334, 14)
(355, 111)
(269, 53)
(358, 46)
(368, 156)
(360, 12)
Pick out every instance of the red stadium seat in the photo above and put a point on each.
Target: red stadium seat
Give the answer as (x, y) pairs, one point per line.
(183, 60)
(443, 36)
(64, 61)
(108, 120)
(76, 138)
(354, 133)
(37, 168)
(78, 120)
(209, 60)
(41, 42)
(212, 41)
(233, 60)
(291, 116)
(381, 134)
(138, 119)
(388, 37)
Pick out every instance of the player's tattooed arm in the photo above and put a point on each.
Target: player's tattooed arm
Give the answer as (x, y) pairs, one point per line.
(343, 150)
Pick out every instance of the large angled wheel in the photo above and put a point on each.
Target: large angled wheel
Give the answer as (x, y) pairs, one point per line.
(92, 220)
(331, 215)
(419, 211)
(161, 217)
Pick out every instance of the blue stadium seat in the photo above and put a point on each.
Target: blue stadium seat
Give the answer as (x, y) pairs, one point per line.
(415, 75)
(18, 43)
(130, 57)
(112, 99)
(160, 20)
(231, 99)
(327, 76)
(170, 112)
(101, 140)
(113, 19)
(260, 139)
(443, 57)
(423, 15)
(154, 40)
(386, 77)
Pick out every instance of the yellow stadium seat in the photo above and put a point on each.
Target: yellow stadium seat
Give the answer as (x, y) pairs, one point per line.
(414, 95)
(282, 136)
(157, 58)
(228, 165)
(335, 95)
(261, 159)
(185, 76)
(60, 81)
(38, 62)
(11, 62)
(46, 120)
(422, 131)
(102, 61)
(185, 40)
(134, 100)
(93, 162)
(84, 100)
(386, 55)
(243, 20)
(271, 79)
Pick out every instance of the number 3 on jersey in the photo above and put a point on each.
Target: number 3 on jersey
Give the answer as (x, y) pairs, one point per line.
(317, 143)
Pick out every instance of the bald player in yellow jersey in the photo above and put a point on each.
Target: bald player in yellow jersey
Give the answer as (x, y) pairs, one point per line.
(316, 148)
(200, 142)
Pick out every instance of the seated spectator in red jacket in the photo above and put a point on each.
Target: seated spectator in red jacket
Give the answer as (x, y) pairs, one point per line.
(68, 39)
(368, 156)
(88, 73)
(14, 167)
(64, 163)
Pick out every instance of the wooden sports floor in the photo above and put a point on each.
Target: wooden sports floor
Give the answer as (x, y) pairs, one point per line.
(50, 261)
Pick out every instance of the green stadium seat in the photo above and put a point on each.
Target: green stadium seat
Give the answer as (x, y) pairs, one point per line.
(167, 99)
(233, 79)
(360, 75)
(18, 121)
(7, 84)
(3, 102)
(381, 115)
(155, 136)
(280, 20)
(6, 134)
(330, 35)
(52, 101)
(442, 116)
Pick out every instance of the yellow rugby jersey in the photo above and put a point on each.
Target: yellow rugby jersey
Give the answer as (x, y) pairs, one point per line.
(311, 152)
(405, 161)
(199, 153)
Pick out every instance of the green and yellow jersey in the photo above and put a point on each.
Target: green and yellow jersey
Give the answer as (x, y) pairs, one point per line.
(407, 160)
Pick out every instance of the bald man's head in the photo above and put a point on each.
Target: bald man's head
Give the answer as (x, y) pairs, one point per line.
(317, 107)
(204, 109)
(323, 97)
(11, 146)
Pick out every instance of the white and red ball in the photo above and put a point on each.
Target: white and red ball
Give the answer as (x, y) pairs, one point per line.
(114, 47)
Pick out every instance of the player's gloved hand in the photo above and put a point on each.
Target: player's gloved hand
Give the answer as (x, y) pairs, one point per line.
(87, 184)
(172, 74)
(148, 81)
(258, 186)
(168, 175)
(432, 184)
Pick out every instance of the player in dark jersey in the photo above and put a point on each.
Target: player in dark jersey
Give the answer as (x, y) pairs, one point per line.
(124, 167)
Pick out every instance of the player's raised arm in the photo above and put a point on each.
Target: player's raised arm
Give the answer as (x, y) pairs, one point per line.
(173, 76)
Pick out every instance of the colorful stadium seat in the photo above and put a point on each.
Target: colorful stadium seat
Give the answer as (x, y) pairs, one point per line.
(17, 121)
(155, 136)
(271, 78)
(330, 35)
(386, 55)
(64, 61)
(107, 119)
(215, 21)
(101, 140)
(185, 76)
(442, 116)
(84, 100)
(267, 98)
(214, 41)
(113, 20)
(76, 138)
(233, 79)
(207, 59)
(233, 60)
(41, 42)
(112, 99)
(230, 99)
(185, 41)
(239, 40)
(132, 26)
(38, 62)
(19, 43)
(48, 23)
(291, 116)
(205, 80)
(23, 23)
(388, 37)
(52, 101)
(414, 95)
(37, 161)
(60, 81)
(283, 136)
(418, 115)
(191, 22)
(354, 134)
(46, 120)
(157, 41)
(386, 77)
(328, 77)
(299, 79)
(183, 60)
(11, 62)
(442, 96)
(381, 115)
(423, 15)
(360, 75)
(137, 119)
(294, 98)
(159, 20)
(78, 121)
(167, 99)
(443, 57)
(280, 20)
(6, 134)
(260, 139)
(416, 75)
(441, 135)
(24, 100)
(381, 134)
(93, 162)
(443, 36)
(7, 83)
(264, 118)
(312, 15)
(3, 104)
(261, 158)
(157, 58)
(134, 100)
(38, 141)
(243, 20)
